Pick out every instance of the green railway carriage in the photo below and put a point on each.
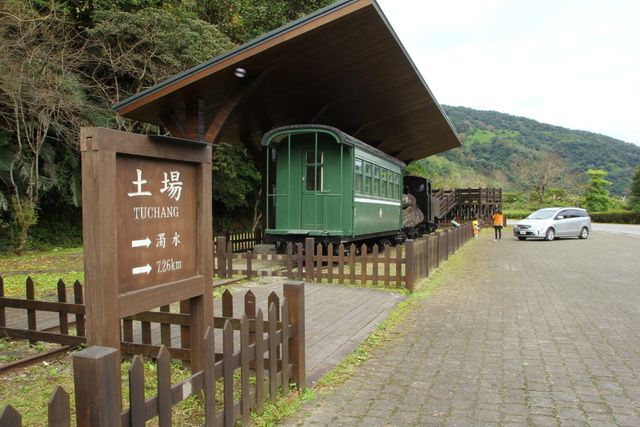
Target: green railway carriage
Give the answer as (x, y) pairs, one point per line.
(325, 184)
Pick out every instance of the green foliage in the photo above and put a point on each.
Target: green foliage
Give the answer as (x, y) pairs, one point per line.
(236, 189)
(616, 217)
(596, 197)
(245, 20)
(634, 202)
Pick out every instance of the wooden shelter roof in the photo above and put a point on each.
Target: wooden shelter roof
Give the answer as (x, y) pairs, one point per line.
(342, 66)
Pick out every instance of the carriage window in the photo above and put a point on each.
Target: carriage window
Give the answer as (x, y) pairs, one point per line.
(358, 177)
(390, 186)
(376, 180)
(367, 178)
(383, 183)
(315, 171)
(396, 192)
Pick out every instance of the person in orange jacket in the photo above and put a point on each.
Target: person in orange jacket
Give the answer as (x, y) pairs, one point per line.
(476, 227)
(498, 223)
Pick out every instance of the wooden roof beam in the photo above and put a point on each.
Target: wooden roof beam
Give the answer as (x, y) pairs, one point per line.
(171, 121)
(232, 105)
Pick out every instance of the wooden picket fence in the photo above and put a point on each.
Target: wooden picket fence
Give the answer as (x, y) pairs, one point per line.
(245, 341)
(401, 266)
(243, 241)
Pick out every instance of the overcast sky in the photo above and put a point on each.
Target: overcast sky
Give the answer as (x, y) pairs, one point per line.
(571, 63)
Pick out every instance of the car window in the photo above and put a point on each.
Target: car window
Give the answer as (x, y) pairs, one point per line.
(563, 214)
(542, 214)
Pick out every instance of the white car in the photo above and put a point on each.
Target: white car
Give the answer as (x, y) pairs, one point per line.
(551, 223)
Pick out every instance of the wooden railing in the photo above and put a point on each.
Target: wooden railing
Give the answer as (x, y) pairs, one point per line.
(281, 337)
(401, 266)
(241, 242)
(465, 203)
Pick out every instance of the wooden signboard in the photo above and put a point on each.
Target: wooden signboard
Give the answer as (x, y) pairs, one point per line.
(147, 230)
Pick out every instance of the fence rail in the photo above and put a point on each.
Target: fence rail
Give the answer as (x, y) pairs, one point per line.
(400, 266)
(241, 242)
(245, 342)
(467, 203)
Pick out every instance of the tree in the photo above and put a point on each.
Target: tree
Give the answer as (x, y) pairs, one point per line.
(42, 106)
(245, 20)
(635, 190)
(596, 197)
(129, 52)
(236, 189)
(550, 171)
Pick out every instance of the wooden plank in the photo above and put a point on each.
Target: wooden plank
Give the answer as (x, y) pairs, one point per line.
(308, 259)
(165, 328)
(227, 368)
(387, 266)
(341, 272)
(9, 417)
(294, 294)
(352, 264)
(210, 379)
(399, 263)
(330, 263)
(31, 314)
(3, 314)
(259, 361)
(146, 332)
(26, 334)
(363, 264)
(164, 388)
(58, 408)
(156, 296)
(37, 305)
(273, 350)
(374, 259)
(249, 257)
(62, 317)
(78, 298)
(300, 260)
(137, 416)
(245, 400)
(227, 303)
(285, 347)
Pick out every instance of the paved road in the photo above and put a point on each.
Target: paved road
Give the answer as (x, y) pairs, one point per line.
(530, 333)
(629, 230)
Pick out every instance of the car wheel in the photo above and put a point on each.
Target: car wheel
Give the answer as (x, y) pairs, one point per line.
(550, 234)
(584, 233)
(521, 238)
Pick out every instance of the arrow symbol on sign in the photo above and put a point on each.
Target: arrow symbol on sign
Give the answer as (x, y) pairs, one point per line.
(141, 270)
(140, 243)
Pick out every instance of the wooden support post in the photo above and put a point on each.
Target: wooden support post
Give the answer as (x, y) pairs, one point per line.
(410, 264)
(294, 293)
(428, 255)
(96, 374)
(308, 259)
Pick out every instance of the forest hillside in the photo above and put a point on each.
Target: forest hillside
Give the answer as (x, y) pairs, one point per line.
(493, 143)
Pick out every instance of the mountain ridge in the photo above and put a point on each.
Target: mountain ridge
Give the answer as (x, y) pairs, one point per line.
(493, 140)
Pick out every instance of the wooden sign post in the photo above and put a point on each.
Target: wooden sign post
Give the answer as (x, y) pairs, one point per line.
(147, 231)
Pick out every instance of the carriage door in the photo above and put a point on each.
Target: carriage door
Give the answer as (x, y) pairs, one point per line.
(313, 190)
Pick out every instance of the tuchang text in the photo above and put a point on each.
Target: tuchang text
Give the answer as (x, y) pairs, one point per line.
(153, 212)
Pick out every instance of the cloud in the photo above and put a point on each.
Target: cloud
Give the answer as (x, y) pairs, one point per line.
(572, 63)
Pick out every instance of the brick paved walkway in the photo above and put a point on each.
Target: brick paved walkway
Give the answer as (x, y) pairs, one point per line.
(527, 333)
